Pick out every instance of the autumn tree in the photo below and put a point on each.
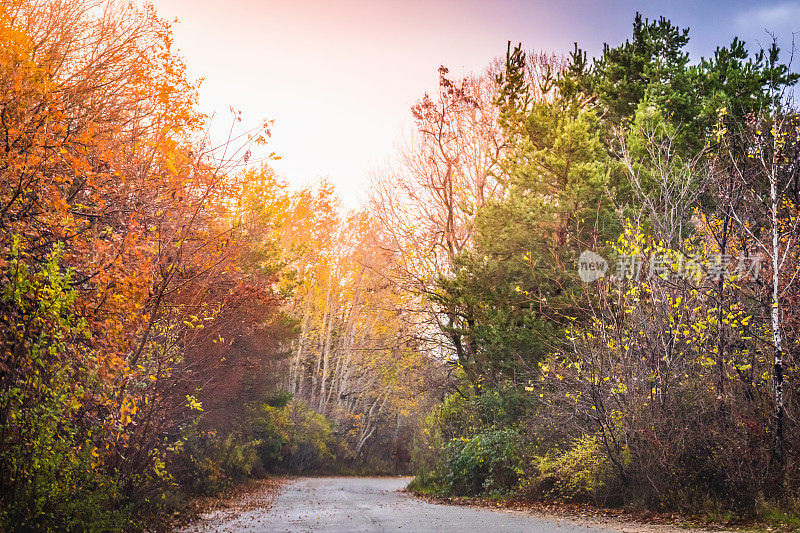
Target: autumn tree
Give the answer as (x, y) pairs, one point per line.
(115, 210)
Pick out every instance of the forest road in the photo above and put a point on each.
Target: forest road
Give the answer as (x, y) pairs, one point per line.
(349, 504)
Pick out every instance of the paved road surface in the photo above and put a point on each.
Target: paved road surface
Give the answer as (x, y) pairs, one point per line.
(343, 504)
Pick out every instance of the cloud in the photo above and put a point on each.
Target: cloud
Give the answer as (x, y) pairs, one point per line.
(780, 18)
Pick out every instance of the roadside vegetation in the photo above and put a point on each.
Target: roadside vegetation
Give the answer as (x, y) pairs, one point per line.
(175, 319)
(668, 383)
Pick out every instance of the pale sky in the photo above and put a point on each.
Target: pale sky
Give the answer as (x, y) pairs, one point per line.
(339, 77)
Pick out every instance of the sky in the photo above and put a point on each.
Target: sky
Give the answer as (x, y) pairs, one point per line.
(339, 77)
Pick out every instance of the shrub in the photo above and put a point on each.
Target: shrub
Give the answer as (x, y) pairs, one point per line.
(291, 436)
(51, 477)
(207, 462)
(579, 473)
(489, 462)
(426, 482)
(271, 428)
(309, 441)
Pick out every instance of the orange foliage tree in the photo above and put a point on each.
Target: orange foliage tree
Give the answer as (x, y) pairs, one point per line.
(129, 283)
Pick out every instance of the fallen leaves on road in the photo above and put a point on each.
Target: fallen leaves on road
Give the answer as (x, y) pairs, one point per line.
(253, 494)
(620, 519)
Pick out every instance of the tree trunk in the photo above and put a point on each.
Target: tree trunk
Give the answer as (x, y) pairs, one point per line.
(777, 373)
